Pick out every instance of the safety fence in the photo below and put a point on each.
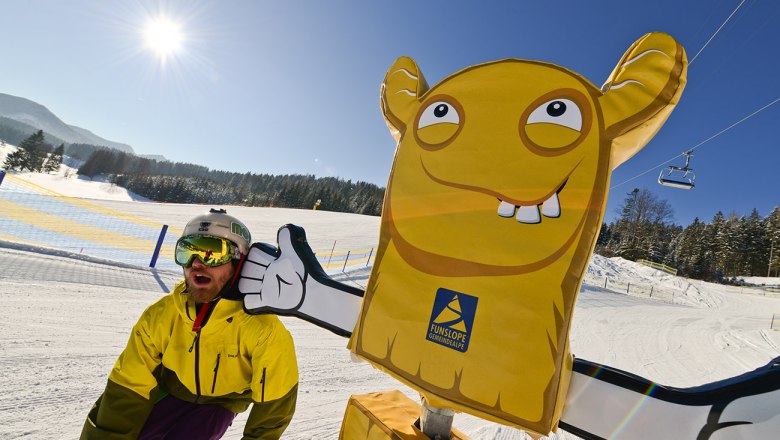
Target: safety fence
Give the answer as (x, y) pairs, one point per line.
(659, 266)
(768, 291)
(34, 215)
(333, 261)
(629, 288)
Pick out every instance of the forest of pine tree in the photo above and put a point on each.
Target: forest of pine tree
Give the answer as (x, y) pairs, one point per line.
(35, 155)
(178, 182)
(726, 247)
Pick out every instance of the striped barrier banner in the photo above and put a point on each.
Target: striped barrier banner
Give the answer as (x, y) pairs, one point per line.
(31, 214)
(34, 215)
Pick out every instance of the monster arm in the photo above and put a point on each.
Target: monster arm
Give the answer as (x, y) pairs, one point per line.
(289, 281)
(605, 402)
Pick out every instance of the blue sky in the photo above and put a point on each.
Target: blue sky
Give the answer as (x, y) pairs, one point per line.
(286, 87)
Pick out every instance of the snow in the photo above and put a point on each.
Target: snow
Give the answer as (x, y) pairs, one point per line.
(761, 281)
(74, 185)
(66, 320)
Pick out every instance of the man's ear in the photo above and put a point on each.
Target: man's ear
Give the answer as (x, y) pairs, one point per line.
(401, 91)
(641, 92)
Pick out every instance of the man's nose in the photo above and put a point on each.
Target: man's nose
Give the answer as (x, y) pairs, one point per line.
(197, 262)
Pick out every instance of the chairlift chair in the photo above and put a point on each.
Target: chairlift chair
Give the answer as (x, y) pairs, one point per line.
(670, 176)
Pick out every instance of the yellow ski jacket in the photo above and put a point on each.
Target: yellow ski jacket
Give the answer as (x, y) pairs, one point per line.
(234, 359)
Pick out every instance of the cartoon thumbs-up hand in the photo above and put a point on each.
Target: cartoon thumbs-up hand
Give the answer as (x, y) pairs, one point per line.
(289, 281)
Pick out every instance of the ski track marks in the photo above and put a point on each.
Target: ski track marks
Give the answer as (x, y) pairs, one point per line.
(66, 321)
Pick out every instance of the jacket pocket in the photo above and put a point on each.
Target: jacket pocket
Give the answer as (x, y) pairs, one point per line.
(262, 387)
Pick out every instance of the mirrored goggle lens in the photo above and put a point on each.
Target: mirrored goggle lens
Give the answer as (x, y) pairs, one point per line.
(212, 251)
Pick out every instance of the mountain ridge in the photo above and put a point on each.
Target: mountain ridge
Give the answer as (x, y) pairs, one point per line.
(36, 115)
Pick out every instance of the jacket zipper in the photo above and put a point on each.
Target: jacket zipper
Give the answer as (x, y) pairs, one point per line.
(196, 344)
(216, 368)
(262, 388)
(197, 326)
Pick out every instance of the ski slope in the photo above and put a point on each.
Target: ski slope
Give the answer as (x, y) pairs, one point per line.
(66, 320)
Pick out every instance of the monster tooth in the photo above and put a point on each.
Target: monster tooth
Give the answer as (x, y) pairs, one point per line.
(506, 209)
(528, 214)
(552, 207)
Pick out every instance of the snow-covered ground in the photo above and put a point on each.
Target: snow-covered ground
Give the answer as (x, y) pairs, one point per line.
(69, 183)
(761, 281)
(66, 320)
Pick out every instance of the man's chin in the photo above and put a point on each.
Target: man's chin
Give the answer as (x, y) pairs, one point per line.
(201, 294)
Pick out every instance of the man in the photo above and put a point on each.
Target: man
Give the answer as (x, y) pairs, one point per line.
(195, 358)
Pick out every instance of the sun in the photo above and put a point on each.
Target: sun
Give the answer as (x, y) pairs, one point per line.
(163, 36)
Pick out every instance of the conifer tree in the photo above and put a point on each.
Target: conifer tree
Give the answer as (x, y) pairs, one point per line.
(756, 244)
(52, 164)
(17, 160)
(36, 147)
(773, 236)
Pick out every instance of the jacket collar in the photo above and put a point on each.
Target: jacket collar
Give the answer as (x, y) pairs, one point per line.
(222, 309)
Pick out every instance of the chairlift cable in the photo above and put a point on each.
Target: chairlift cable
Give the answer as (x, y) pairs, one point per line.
(716, 32)
(688, 151)
(700, 143)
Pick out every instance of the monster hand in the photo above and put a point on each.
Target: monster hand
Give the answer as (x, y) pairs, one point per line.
(289, 281)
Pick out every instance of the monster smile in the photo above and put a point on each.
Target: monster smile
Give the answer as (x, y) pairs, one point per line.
(529, 213)
(522, 211)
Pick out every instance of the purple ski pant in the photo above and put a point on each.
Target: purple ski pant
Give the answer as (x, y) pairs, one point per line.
(174, 419)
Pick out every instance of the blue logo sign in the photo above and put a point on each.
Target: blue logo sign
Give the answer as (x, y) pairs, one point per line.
(452, 319)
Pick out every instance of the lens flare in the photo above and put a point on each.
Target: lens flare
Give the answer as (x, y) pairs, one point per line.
(163, 36)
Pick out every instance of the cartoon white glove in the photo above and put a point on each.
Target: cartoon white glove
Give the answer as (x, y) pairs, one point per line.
(289, 281)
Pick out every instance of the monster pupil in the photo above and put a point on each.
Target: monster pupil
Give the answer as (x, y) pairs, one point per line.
(556, 108)
(440, 110)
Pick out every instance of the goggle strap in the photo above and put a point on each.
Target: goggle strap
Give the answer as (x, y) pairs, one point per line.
(230, 291)
(198, 324)
(238, 269)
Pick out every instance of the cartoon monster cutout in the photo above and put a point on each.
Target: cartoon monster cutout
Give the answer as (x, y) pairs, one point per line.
(491, 213)
(496, 198)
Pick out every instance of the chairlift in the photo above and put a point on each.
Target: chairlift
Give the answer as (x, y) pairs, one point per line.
(670, 176)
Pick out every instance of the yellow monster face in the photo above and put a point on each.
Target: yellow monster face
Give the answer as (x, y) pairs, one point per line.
(515, 155)
(508, 153)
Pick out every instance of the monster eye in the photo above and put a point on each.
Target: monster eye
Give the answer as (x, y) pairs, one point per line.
(438, 113)
(556, 122)
(438, 122)
(562, 112)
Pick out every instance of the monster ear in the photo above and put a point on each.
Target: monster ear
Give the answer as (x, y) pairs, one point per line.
(401, 91)
(641, 92)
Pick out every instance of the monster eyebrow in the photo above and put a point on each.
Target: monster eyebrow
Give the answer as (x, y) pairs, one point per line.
(625, 83)
(647, 52)
(408, 73)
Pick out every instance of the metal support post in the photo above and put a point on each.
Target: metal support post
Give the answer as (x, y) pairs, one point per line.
(436, 423)
(331, 252)
(345, 262)
(159, 245)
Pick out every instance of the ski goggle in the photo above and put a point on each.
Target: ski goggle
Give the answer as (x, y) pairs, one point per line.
(212, 251)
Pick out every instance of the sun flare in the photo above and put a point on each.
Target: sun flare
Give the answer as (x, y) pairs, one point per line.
(163, 36)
